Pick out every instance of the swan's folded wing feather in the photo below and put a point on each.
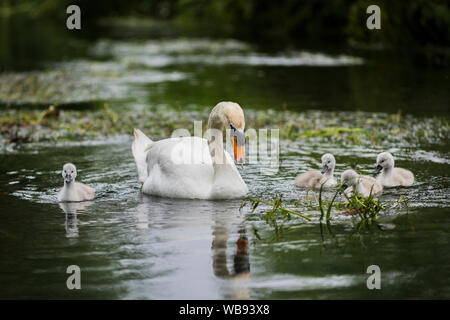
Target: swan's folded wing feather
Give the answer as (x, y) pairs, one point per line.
(140, 148)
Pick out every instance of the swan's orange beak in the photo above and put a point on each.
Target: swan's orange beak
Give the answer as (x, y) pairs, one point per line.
(239, 152)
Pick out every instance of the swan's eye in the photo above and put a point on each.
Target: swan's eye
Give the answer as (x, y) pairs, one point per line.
(232, 127)
(382, 161)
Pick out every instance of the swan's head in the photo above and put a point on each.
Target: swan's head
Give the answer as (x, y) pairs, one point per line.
(385, 160)
(69, 172)
(328, 162)
(349, 178)
(229, 115)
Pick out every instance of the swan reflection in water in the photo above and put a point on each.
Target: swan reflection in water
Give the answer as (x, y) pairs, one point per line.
(71, 209)
(192, 241)
(237, 285)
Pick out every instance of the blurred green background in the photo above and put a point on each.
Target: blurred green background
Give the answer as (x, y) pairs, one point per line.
(416, 29)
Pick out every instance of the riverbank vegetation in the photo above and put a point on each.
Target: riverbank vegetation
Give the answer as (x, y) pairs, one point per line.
(24, 125)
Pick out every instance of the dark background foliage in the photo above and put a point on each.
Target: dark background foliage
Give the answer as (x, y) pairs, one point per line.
(415, 23)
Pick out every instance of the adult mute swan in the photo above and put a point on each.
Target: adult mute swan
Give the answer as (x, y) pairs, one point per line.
(74, 191)
(315, 179)
(390, 176)
(364, 185)
(193, 167)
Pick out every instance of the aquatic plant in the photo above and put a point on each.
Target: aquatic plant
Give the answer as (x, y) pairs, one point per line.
(274, 217)
(364, 210)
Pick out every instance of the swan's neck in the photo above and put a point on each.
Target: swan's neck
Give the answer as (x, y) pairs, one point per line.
(228, 182)
(387, 172)
(329, 173)
(69, 185)
(216, 125)
(215, 145)
(69, 192)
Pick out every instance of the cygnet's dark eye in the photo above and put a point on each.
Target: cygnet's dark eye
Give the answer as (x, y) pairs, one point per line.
(382, 161)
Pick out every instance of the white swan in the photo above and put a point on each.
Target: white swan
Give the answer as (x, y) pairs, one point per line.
(315, 178)
(74, 191)
(192, 167)
(390, 176)
(364, 185)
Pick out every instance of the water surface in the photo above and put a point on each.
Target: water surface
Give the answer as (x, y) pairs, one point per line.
(133, 246)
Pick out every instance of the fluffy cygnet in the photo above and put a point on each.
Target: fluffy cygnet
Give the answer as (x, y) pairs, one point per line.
(390, 176)
(315, 178)
(74, 191)
(364, 185)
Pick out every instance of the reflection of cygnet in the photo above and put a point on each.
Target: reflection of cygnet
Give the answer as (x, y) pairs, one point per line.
(364, 185)
(71, 208)
(74, 191)
(390, 176)
(315, 179)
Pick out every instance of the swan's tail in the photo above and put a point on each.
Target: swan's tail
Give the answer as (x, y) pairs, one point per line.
(139, 147)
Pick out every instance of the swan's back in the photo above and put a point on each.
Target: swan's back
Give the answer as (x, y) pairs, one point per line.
(402, 177)
(77, 192)
(179, 168)
(310, 179)
(84, 192)
(370, 184)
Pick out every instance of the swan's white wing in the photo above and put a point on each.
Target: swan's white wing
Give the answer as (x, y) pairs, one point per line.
(179, 168)
(228, 183)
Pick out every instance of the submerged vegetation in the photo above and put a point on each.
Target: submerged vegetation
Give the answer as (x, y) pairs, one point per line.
(364, 212)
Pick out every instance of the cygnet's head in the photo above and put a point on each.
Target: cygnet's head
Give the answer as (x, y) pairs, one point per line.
(385, 160)
(69, 172)
(349, 178)
(328, 163)
(229, 115)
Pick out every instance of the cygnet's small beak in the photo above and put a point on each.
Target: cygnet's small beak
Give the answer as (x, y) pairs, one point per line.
(68, 178)
(377, 170)
(324, 169)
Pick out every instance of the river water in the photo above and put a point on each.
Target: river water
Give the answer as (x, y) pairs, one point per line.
(133, 246)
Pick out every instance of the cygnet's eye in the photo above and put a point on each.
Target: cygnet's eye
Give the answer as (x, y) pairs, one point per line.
(382, 161)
